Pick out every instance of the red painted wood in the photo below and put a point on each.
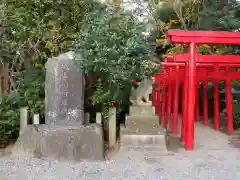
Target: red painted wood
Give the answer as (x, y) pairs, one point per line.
(195, 68)
(175, 104)
(183, 58)
(191, 78)
(203, 37)
(204, 34)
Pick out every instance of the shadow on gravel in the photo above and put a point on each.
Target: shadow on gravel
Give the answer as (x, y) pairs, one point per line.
(174, 144)
(235, 140)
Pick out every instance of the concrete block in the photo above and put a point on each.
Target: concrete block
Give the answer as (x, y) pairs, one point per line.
(112, 125)
(99, 118)
(23, 119)
(146, 122)
(141, 110)
(149, 139)
(61, 142)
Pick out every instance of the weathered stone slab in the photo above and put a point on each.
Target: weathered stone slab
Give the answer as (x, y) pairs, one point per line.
(64, 89)
(61, 142)
(141, 110)
(155, 139)
(146, 122)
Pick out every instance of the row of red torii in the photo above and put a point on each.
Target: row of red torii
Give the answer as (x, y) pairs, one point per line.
(187, 71)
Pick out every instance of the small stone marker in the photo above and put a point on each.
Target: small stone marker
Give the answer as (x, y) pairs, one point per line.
(99, 118)
(64, 89)
(112, 126)
(36, 119)
(23, 119)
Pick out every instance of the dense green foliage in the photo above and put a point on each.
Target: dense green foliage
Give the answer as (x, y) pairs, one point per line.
(36, 29)
(30, 32)
(236, 116)
(30, 94)
(198, 15)
(112, 48)
(9, 119)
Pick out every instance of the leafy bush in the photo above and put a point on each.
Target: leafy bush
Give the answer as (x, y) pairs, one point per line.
(31, 89)
(112, 48)
(9, 118)
(30, 94)
(31, 31)
(236, 116)
(36, 29)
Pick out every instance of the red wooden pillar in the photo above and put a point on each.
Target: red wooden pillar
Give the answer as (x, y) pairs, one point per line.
(184, 111)
(205, 103)
(153, 96)
(185, 106)
(169, 102)
(197, 103)
(229, 105)
(163, 104)
(189, 144)
(157, 110)
(216, 101)
(175, 105)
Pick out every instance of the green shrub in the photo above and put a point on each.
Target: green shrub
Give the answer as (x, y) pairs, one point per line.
(30, 94)
(112, 47)
(236, 116)
(31, 31)
(9, 118)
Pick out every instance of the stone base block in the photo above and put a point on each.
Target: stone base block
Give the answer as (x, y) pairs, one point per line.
(139, 122)
(61, 142)
(141, 110)
(155, 139)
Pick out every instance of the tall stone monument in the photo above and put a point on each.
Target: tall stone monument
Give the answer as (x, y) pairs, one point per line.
(64, 91)
(64, 136)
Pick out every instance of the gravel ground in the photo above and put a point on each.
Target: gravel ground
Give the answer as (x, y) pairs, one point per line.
(215, 159)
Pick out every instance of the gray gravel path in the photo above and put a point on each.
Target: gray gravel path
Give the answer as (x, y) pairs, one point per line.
(214, 159)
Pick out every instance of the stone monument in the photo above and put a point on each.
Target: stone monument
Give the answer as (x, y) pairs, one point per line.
(64, 91)
(64, 136)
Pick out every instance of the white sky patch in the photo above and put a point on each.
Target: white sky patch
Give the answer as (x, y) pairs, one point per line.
(140, 10)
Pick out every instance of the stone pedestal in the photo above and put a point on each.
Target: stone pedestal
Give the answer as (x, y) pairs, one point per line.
(142, 129)
(61, 142)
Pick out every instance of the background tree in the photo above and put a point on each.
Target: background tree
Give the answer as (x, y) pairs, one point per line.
(112, 48)
(209, 15)
(31, 31)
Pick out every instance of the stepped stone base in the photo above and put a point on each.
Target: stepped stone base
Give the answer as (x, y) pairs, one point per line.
(61, 142)
(143, 132)
(149, 140)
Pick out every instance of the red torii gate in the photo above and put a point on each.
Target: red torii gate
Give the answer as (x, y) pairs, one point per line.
(205, 73)
(210, 72)
(202, 77)
(190, 61)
